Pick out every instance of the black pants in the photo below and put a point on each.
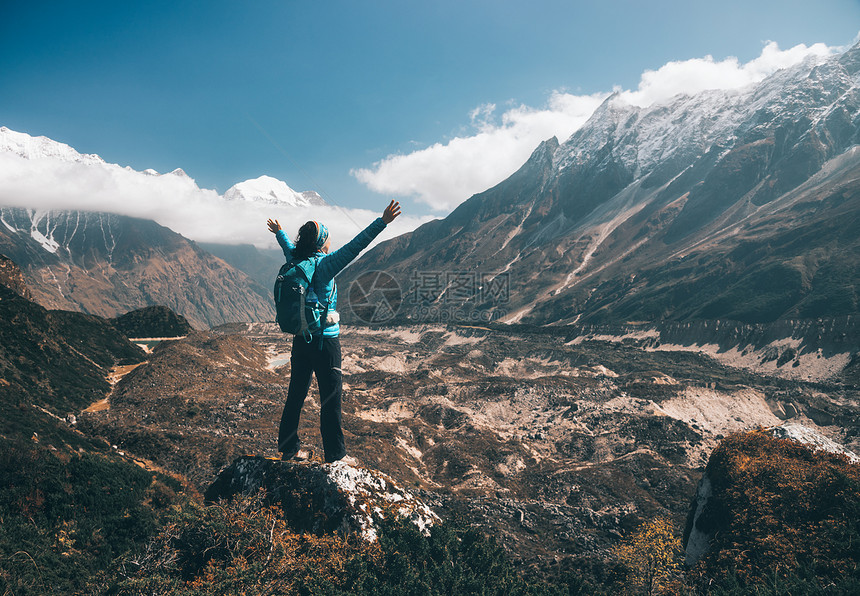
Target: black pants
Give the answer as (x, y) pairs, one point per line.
(307, 358)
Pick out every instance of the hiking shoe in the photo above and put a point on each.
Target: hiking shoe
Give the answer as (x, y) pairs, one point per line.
(347, 460)
(298, 454)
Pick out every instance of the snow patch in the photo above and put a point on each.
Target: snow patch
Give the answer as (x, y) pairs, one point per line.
(48, 244)
(8, 225)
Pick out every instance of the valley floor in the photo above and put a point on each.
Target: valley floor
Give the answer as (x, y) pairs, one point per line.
(557, 445)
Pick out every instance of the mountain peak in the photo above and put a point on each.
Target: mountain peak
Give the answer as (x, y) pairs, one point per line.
(29, 147)
(180, 172)
(271, 191)
(543, 154)
(696, 208)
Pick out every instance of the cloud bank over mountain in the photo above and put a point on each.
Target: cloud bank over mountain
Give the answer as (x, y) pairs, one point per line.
(49, 175)
(446, 174)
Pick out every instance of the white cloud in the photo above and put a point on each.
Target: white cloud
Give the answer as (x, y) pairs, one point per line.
(173, 201)
(700, 74)
(444, 175)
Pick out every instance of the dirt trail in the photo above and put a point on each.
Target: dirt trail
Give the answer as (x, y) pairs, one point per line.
(116, 373)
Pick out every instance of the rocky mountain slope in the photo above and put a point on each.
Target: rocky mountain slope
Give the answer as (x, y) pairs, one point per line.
(52, 363)
(807, 349)
(260, 264)
(106, 265)
(12, 278)
(741, 205)
(558, 444)
(68, 500)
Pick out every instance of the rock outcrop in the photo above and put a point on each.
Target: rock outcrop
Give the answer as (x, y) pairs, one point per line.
(779, 499)
(323, 498)
(12, 278)
(152, 321)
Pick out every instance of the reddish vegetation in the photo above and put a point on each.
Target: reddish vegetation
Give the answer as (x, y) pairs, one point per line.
(781, 507)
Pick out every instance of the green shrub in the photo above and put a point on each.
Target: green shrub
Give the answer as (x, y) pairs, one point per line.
(67, 517)
(801, 582)
(245, 547)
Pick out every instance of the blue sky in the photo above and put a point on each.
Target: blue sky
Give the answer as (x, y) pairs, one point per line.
(316, 92)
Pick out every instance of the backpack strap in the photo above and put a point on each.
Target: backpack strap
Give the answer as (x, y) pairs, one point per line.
(307, 267)
(324, 316)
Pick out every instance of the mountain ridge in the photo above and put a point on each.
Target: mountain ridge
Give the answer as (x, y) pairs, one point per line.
(675, 211)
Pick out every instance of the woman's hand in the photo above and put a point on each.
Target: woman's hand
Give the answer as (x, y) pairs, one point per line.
(274, 226)
(392, 211)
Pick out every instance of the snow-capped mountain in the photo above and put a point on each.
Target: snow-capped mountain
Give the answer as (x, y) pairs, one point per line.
(105, 263)
(272, 191)
(23, 145)
(741, 204)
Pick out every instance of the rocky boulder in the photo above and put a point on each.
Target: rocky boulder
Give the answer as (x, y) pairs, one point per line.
(323, 498)
(776, 500)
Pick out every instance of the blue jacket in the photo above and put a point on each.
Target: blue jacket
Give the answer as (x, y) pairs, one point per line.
(323, 288)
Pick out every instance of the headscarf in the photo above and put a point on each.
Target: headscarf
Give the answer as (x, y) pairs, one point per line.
(322, 234)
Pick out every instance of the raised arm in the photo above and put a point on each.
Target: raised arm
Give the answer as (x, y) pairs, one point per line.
(286, 244)
(334, 262)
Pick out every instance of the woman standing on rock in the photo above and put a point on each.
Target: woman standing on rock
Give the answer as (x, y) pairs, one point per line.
(321, 354)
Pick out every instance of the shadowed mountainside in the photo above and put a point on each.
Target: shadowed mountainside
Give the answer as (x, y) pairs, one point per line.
(54, 360)
(107, 264)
